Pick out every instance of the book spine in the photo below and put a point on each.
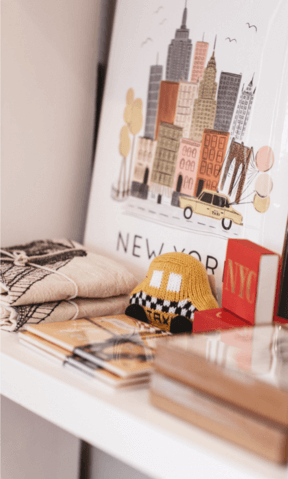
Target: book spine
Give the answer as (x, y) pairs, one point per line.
(261, 437)
(210, 378)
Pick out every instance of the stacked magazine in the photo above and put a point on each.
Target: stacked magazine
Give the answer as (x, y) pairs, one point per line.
(231, 383)
(117, 350)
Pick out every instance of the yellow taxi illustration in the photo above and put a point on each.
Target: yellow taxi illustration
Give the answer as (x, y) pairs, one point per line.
(212, 204)
(175, 287)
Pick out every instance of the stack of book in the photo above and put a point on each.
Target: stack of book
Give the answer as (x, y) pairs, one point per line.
(232, 383)
(117, 350)
(251, 281)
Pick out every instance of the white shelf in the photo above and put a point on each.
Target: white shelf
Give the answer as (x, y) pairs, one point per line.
(122, 423)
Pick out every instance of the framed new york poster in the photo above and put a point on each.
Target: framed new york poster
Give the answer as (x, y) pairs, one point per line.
(193, 140)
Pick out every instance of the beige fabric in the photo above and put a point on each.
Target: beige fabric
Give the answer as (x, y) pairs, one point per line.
(14, 318)
(54, 270)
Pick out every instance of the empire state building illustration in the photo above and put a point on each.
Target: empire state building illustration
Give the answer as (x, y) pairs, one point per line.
(179, 53)
(205, 105)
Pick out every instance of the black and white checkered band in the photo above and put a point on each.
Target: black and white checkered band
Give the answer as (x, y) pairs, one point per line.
(181, 308)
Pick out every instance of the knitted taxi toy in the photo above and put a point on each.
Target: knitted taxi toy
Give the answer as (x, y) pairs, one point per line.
(175, 287)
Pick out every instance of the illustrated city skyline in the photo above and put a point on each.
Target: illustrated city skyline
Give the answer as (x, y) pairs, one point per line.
(194, 127)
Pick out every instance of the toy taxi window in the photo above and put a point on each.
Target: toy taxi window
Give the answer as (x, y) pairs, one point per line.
(156, 279)
(174, 282)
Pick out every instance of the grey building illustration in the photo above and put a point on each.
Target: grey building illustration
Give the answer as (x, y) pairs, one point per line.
(228, 89)
(179, 53)
(243, 111)
(155, 78)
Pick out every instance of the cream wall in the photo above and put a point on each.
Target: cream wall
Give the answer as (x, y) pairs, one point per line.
(50, 53)
(49, 69)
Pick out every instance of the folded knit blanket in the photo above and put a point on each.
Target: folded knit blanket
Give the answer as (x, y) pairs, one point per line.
(12, 318)
(51, 270)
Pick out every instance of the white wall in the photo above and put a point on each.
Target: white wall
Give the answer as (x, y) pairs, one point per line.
(50, 51)
(49, 68)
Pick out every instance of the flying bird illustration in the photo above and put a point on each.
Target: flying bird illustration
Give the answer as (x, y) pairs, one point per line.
(251, 26)
(231, 39)
(161, 23)
(158, 9)
(145, 41)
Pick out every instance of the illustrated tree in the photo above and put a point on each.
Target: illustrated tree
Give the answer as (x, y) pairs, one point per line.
(124, 148)
(133, 117)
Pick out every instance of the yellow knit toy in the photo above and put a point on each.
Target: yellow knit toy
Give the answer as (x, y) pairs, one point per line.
(176, 285)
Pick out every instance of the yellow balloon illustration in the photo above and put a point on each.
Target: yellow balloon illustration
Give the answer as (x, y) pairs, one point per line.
(261, 204)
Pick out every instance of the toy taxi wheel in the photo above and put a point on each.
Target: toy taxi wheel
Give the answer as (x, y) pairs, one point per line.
(226, 225)
(180, 324)
(137, 312)
(188, 212)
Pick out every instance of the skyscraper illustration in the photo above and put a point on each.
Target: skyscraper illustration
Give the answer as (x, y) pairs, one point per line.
(155, 78)
(164, 165)
(200, 55)
(187, 94)
(179, 53)
(167, 104)
(205, 106)
(243, 111)
(228, 89)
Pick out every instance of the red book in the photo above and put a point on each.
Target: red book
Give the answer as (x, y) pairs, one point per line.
(250, 279)
(216, 320)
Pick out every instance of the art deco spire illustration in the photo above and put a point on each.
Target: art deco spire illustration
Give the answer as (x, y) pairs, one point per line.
(243, 111)
(205, 105)
(179, 53)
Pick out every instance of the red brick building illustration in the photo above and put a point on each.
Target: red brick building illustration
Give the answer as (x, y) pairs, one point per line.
(167, 104)
(212, 155)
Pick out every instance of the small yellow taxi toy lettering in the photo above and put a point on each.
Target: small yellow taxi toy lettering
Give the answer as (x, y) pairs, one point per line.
(175, 287)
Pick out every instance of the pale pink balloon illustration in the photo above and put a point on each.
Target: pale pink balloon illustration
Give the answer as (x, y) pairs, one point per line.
(264, 158)
(263, 185)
